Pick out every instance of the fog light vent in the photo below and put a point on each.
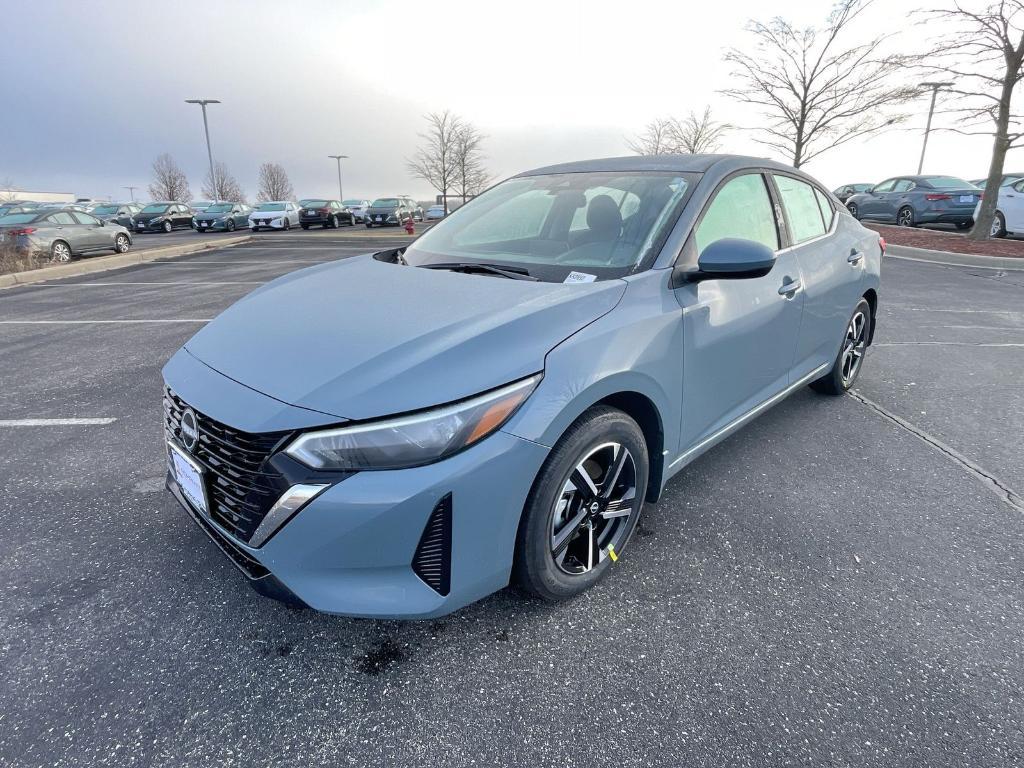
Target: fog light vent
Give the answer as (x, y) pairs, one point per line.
(433, 559)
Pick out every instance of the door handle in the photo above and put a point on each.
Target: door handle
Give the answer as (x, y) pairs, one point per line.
(790, 288)
(855, 257)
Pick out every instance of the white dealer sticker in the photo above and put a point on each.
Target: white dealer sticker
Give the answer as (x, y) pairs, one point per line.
(580, 277)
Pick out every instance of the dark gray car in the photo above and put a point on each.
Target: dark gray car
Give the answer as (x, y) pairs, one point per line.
(912, 200)
(117, 213)
(63, 233)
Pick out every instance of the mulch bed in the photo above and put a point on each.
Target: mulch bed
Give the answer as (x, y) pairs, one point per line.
(947, 241)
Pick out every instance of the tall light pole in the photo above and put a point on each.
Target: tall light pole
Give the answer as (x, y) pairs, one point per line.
(927, 129)
(209, 152)
(131, 190)
(339, 158)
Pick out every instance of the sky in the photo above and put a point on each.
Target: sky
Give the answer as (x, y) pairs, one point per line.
(97, 90)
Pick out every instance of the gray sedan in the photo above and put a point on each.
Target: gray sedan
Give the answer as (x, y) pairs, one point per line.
(117, 213)
(62, 234)
(912, 200)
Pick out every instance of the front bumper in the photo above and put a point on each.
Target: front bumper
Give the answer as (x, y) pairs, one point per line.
(210, 226)
(266, 223)
(352, 549)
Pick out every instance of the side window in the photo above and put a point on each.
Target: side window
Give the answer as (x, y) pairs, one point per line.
(885, 186)
(1019, 186)
(84, 218)
(61, 218)
(903, 185)
(741, 208)
(827, 213)
(802, 209)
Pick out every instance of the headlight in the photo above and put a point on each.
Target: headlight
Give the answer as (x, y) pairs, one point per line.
(418, 438)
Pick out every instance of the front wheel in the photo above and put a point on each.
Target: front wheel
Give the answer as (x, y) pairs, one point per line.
(998, 228)
(583, 507)
(369, 225)
(334, 222)
(287, 224)
(850, 358)
(905, 217)
(231, 225)
(852, 208)
(121, 244)
(167, 227)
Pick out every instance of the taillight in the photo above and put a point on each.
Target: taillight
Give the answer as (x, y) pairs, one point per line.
(938, 197)
(881, 244)
(322, 210)
(23, 231)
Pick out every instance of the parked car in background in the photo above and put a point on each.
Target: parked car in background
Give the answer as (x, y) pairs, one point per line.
(198, 206)
(520, 358)
(63, 233)
(358, 207)
(1009, 215)
(274, 214)
(6, 208)
(844, 192)
(1008, 178)
(326, 213)
(912, 200)
(435, 212)
(416, 208)
(163, 217)
(60, 207)
(118, 213)
(391, 212)
(222, 217)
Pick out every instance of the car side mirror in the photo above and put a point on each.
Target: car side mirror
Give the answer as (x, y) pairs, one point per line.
(730, 258)
(103, 223)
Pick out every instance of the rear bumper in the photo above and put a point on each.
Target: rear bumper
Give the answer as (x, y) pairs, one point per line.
(964, 216)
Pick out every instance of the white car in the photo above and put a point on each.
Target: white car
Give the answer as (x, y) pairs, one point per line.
(435, 212)
(274, 214)
(1009, 218)
(358, 207)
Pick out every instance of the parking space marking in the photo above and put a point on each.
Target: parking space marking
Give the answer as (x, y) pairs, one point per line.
(56, 422)
(990, 481)
(949, 343)
(104, 322)
(103, 285)
(959, 311)
(152, 264)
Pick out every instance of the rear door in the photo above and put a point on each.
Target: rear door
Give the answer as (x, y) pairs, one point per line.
(65, 228)
(739, 335)
(832, 266)
(1011, 203)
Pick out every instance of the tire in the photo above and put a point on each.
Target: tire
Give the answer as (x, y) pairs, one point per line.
(905, 217)
(369, 225)
(287, 223)
(334, 222)
(850, 358)
(998, 225)
(852, 208)
(254, 229)
(557, 563)
(305, 226)
(962, 225)
(352, 220)
(167, 227)
(122, 244)
(230, 225)
(60, 252)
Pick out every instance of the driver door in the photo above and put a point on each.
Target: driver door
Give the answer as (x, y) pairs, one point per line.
(739, 334)
(875, 203)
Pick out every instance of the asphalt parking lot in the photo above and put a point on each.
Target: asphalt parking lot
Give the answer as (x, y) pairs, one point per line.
(838, 584)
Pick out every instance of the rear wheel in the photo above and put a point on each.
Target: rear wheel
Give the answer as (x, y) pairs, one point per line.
(122, 244)
(962, 225)
(305, 226)
(850, 358)
(369, 225)
(852, 208)
(583, 507)
(905, 217)
(60, 252)
(998, 228)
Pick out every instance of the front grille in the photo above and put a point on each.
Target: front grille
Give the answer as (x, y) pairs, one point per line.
(433, 559)
(248, 565)
(240, 486)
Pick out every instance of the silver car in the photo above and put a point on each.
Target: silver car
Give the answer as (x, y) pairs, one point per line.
(62, 234)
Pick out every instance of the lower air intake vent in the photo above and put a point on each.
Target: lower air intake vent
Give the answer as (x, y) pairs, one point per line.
(433, 559)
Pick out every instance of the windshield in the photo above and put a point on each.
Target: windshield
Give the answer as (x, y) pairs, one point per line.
(949, 182)
(594, 225)
(219, 208)
(155, 208)
(270, 207)
(101, 209)
(315, 204)
(354, 203)
(17, 218)
(385, 202)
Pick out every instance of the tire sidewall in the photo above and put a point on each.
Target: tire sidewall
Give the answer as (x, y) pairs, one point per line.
(832, 382)
(118, 241)
(535, 568)
(899, 217)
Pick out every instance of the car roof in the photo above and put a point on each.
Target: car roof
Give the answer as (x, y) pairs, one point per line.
(678, 163)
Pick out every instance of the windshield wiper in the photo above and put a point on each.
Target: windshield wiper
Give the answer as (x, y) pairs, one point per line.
(514, 273)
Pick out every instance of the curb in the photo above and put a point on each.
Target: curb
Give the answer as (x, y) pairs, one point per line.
(953, 259)
(117, 261)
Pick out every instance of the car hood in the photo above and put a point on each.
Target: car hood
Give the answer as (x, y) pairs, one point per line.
(149, 216)
(266, 214)
(361, 338)
(382, 208)
(213, 216)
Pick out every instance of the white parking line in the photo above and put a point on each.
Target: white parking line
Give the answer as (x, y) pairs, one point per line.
(102, 322)
(947, 343)
(167, 282)
(55, 422)
(221, 263)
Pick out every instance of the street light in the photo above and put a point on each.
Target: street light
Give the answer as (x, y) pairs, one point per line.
(339, 158)
(131, 190)
(927, 129)
(209, 153)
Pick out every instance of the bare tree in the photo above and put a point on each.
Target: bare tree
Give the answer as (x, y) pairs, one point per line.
(817, 90)
(226, 188)
(8, 191)
(983, 54)
(435, 162)
(274, 183)
(169, 181)
(693, 135)
(471, 178)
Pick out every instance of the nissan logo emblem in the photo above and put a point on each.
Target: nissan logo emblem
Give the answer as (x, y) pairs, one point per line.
(189, 429)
